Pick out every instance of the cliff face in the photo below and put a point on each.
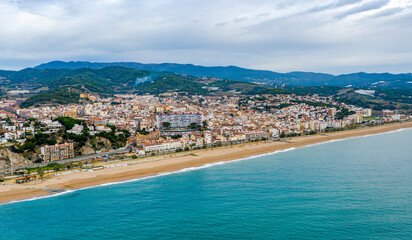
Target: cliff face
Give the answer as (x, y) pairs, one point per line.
(103, 144)
(100, 143)
(87, 149)
(7, 156)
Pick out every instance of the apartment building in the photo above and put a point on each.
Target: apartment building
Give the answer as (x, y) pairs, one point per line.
(179, 120)
(57, 152)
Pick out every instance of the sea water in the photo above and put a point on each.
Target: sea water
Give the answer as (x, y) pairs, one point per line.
(358, 188)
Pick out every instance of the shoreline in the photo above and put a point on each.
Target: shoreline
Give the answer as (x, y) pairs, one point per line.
(169, 164)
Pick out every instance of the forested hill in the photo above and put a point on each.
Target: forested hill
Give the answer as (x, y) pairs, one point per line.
(61, 86)
(374, 80)
(95, 80)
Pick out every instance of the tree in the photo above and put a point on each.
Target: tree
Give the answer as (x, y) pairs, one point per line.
(204, 124)
(194, 126)
(166, 125)
(144, 132)
(29, 145)
(68, 122)
(40, 171)
(112, 127)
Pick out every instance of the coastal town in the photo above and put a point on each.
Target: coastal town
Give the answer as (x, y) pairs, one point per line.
(171, 122)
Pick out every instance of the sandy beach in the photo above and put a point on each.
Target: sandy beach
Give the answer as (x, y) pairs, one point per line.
(169, 163)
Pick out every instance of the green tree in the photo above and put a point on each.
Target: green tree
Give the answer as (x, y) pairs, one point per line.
(204, 124)
(166, 125)
(194, 126)
(40, 171)
(29, 145)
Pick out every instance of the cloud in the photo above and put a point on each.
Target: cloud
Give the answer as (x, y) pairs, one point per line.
(279, 35)
(388, 12)
(335, 4)
(369, 6)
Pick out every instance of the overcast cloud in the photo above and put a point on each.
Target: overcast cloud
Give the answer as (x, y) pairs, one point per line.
(335, 36)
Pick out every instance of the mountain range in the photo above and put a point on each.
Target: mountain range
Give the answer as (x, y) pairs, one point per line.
(361, 79)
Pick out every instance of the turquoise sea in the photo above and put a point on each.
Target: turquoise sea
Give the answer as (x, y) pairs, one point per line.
(359, 188)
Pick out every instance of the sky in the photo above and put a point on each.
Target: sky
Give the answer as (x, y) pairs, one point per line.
(330, 36)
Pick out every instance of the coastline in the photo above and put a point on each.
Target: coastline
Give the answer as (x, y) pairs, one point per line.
(171, 163)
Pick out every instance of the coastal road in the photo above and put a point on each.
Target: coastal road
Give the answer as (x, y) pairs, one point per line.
(79, 158)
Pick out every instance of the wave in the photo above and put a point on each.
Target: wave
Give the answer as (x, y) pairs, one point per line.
(39, 197)
(363, 136)
(208, 165)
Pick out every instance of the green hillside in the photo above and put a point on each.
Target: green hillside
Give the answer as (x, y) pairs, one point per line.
(59, 96)
(63, 86)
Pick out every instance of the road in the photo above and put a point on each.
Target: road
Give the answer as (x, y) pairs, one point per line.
(79, 158)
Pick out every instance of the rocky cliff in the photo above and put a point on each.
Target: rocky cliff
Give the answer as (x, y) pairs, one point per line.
(7, 156)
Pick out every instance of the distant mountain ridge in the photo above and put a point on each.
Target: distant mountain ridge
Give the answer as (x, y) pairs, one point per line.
(361, 79)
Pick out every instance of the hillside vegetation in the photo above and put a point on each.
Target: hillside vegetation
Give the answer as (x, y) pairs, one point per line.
(361, 79)
(63, 86)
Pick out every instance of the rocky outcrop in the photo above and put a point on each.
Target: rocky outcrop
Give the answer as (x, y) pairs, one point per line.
(7, 156)
(100, 144)
(103, 144)
(87, 149)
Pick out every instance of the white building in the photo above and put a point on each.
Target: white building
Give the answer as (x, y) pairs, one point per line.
(53, 126)
(208, 137)
(10, 128)
(77, 129)
(179, 120)
(161, 146)
(367, 112)
(275, 132)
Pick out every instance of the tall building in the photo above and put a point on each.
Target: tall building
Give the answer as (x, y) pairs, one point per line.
(57, 152)
(179, 120)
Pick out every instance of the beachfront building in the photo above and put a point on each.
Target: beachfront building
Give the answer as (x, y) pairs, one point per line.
(161, 146)
(178, 120)
(57, 152)
(257, 135)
